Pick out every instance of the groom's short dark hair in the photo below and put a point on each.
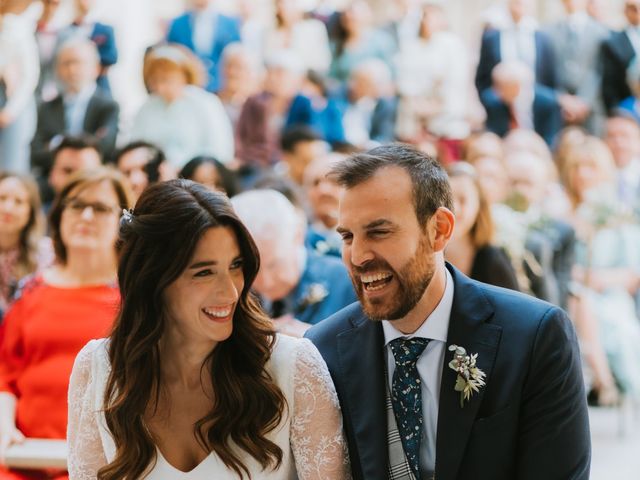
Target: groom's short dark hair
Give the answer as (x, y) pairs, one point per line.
(430, 183)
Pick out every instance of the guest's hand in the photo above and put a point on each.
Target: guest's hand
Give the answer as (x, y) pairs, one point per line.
(288, 325)
(5, 118)
(9, 435)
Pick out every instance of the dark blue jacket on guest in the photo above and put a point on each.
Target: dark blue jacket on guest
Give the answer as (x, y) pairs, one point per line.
(326, 120)
(546, 72)
(383, 121)
(227, 30)
(547, 116)
(325, 288)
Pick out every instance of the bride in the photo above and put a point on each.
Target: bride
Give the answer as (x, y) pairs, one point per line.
(193, 382)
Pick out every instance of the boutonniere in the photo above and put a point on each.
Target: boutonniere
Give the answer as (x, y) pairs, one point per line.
(315, 294)
(470, 378)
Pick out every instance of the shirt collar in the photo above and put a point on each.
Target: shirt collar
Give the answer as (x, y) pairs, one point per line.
(84, 94)
(435, 327)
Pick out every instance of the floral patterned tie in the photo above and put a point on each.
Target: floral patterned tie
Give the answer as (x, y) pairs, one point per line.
(406, 396)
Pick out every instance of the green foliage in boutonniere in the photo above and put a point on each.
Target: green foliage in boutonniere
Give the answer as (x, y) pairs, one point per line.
(470, 378)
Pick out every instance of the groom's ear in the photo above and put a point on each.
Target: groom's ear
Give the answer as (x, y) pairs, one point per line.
(440, 228)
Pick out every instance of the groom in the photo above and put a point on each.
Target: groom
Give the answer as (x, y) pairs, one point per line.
(518, 413)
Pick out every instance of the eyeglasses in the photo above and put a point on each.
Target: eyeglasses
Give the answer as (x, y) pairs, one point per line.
(77, 207)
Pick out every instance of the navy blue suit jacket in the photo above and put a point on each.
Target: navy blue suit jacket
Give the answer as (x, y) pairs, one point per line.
(529, 422)
(617, 53)
(227, 30)
(547, 116)
(545, 71)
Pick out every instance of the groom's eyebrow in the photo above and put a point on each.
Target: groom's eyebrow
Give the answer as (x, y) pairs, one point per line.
(383, 222)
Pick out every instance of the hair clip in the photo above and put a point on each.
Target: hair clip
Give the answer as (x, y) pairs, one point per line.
(127, 216)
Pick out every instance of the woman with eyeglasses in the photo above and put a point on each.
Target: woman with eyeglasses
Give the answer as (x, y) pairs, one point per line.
(60, 310)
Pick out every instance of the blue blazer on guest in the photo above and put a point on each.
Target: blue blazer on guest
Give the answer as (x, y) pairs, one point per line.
(528, 422)
(616, 55)
(547, 116)
(227, 30)
(327, 121)
(490, 55)
(383, 120)
(322, 273)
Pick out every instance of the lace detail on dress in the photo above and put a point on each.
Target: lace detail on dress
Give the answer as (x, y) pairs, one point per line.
(86, 454)
(317, 439)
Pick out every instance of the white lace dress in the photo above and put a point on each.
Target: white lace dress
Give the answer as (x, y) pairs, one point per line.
(310, 436)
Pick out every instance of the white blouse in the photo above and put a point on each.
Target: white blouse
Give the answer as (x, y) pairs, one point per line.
(310, 437)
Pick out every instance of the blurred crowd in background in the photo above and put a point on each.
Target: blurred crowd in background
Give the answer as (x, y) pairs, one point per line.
(545, 174)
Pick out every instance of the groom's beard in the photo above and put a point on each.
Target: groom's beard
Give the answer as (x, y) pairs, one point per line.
(410, 283)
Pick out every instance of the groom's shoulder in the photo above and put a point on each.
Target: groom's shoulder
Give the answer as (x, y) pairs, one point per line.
(328, 329)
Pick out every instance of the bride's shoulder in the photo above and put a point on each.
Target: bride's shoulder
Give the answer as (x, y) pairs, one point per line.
(94, 351)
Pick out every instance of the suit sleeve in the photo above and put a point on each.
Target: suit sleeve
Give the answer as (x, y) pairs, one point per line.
(554, 441)
(613, 78)
(107, 132)
(108, 50)
(485, 65)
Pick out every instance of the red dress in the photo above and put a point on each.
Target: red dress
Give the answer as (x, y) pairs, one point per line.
(41, 335)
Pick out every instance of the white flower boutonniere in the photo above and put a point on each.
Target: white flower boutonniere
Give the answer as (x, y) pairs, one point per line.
(470, 378)
(315, 294)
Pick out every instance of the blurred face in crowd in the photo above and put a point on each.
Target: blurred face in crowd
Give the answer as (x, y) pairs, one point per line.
(302, 155)
(362, 84)
(84, 6)
(90, 219)
(632, 11)
(529, 176)
(519, 9)
(492, 177)
(584, 173)
(237, 74)
(508, 89)
(282, 82)
(322, 192)
(287, 11)
(390, 256)
(207, 174)
(356, 16)
(466, 204)
(168, 83)
(69, 161)
(200, 4)
(432, 21)
(623, 138)
(573, 6)
(280, 268)
(77, 67)
(133, 164)
(15, 206)
(201, 302)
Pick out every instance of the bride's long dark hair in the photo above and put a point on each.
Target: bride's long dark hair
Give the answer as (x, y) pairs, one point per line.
(156, 244)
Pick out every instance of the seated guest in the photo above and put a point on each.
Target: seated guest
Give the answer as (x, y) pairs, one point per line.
(355, 40)
(607, 262)
(300, 145)
(143, 164)
(471, 248)
(368, 108)
(264, 114)
(212, 174)
(432, 77)
(59, 311)
(79, 109)
(516, 102)
(322, 194)
(318, 108)
(23, 249)
(240, 77)
(206, 32)
(297, 286)
(178, 116)
(72, 155)
(100, 34)
(622, 135)
(551, 241)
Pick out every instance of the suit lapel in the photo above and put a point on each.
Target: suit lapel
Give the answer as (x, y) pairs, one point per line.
(361, 364)
(56, 116)
(467, 328)
(90, 113)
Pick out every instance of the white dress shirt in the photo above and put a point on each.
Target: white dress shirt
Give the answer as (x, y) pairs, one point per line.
(204, 30)
(429, 364)
(75, 109)
(518, 42)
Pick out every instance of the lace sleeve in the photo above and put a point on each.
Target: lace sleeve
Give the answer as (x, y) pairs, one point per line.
(86, 455)
(317, 439)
